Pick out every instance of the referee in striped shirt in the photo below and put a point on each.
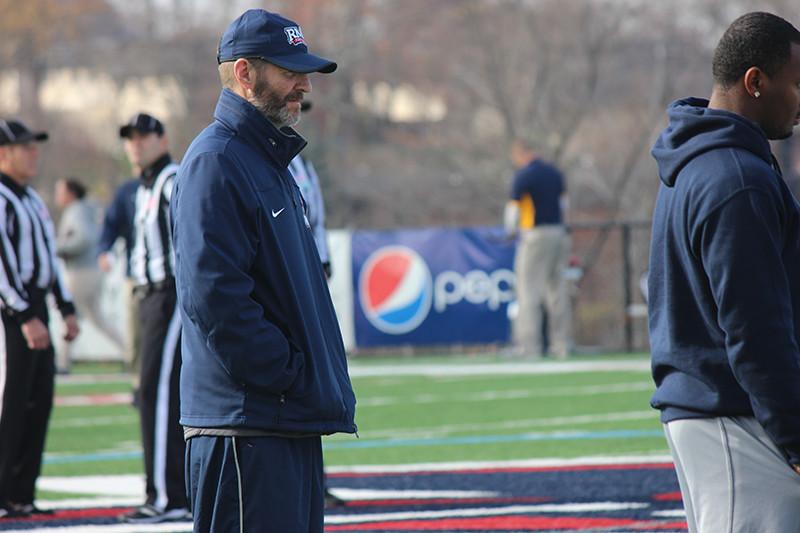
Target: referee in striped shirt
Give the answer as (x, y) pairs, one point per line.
(152, 268)
(28, 272)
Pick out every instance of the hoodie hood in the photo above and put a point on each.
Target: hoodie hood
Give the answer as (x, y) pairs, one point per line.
(694, 129)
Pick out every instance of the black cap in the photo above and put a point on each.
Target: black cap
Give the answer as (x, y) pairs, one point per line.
(143, 123)
(15, 132)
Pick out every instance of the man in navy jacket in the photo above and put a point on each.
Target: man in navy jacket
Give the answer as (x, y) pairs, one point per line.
(724, 287)
(264, 370)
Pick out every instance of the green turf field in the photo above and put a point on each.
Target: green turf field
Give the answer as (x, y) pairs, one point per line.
(410, 416)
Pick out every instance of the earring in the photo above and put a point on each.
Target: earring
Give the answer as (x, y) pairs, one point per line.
(757, 93)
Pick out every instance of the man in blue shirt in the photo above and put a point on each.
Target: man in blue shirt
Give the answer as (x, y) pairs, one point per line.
(535, 212)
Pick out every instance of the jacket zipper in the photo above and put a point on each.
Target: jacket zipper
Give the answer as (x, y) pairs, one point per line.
(281, 402)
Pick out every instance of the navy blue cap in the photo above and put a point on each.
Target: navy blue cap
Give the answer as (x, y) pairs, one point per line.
(269, 36)
(142, 123)
(15, 132)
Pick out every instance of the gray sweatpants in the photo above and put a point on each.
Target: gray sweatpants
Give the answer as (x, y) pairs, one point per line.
(733, 478)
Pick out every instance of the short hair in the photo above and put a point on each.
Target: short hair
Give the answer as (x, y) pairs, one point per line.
(756, 39)
(226, 77)
(75, 186)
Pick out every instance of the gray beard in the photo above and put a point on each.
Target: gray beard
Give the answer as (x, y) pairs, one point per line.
(273, 108)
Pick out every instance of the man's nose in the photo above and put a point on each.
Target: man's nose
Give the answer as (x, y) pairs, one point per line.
(304, 83)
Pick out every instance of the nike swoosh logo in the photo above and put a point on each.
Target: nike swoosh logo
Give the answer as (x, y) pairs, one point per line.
(278, 212)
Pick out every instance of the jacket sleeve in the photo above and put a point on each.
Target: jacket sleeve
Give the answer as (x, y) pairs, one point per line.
(12, 293)
(214, 234)
(62, 295)
(741, 245)
(114, 221)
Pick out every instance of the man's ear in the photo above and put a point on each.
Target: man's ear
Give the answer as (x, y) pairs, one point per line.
(244, 73)
(752, 81)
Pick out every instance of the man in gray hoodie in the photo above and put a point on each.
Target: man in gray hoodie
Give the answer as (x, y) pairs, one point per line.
(76, 245)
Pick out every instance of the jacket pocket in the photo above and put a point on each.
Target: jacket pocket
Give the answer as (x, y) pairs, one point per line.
(316, 396)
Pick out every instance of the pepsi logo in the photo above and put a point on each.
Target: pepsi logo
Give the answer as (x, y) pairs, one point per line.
(395, 289)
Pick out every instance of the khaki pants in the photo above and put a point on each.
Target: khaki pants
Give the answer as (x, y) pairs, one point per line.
(542, 256)
(733, 478)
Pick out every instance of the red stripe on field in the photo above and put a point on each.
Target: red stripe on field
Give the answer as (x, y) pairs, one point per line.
(74, 514)
(120, 398)
(668, 497)
(668, 525)
(506, 523)
(511, 469)
(444, 501)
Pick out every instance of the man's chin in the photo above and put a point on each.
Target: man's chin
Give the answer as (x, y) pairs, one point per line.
(290, 117)
(781, 135)
(784, 136)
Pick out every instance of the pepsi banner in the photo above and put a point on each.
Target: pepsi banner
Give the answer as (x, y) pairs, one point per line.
(431, 286)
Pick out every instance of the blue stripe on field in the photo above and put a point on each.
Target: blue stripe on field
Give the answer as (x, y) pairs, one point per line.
(90, 457)
(396, 443)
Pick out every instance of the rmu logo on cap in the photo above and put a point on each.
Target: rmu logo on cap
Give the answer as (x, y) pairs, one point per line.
(395, 289)
(294, 35)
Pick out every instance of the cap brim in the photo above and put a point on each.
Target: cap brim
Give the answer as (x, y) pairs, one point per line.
(126, 131)
(304, 63)
(31, 136)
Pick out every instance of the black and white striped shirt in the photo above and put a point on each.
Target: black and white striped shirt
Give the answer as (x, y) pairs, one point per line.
(152, 258)
(27, 252)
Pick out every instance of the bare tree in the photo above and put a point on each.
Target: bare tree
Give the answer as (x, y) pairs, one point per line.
(32, 30)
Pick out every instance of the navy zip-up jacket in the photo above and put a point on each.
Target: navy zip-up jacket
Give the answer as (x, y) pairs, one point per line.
(724, 286)
(261, 345)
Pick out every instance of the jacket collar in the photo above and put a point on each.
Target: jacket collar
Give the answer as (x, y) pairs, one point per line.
(279, 145)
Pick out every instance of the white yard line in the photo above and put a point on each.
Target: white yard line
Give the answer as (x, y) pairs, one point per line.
(178, 527)
(599, 460)
(370, 494)
(493, 395)
(499, 368)
(672, 513)
(128, 485)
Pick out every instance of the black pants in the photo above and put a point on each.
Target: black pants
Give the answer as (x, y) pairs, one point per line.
(159, 407)
(26, 399)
